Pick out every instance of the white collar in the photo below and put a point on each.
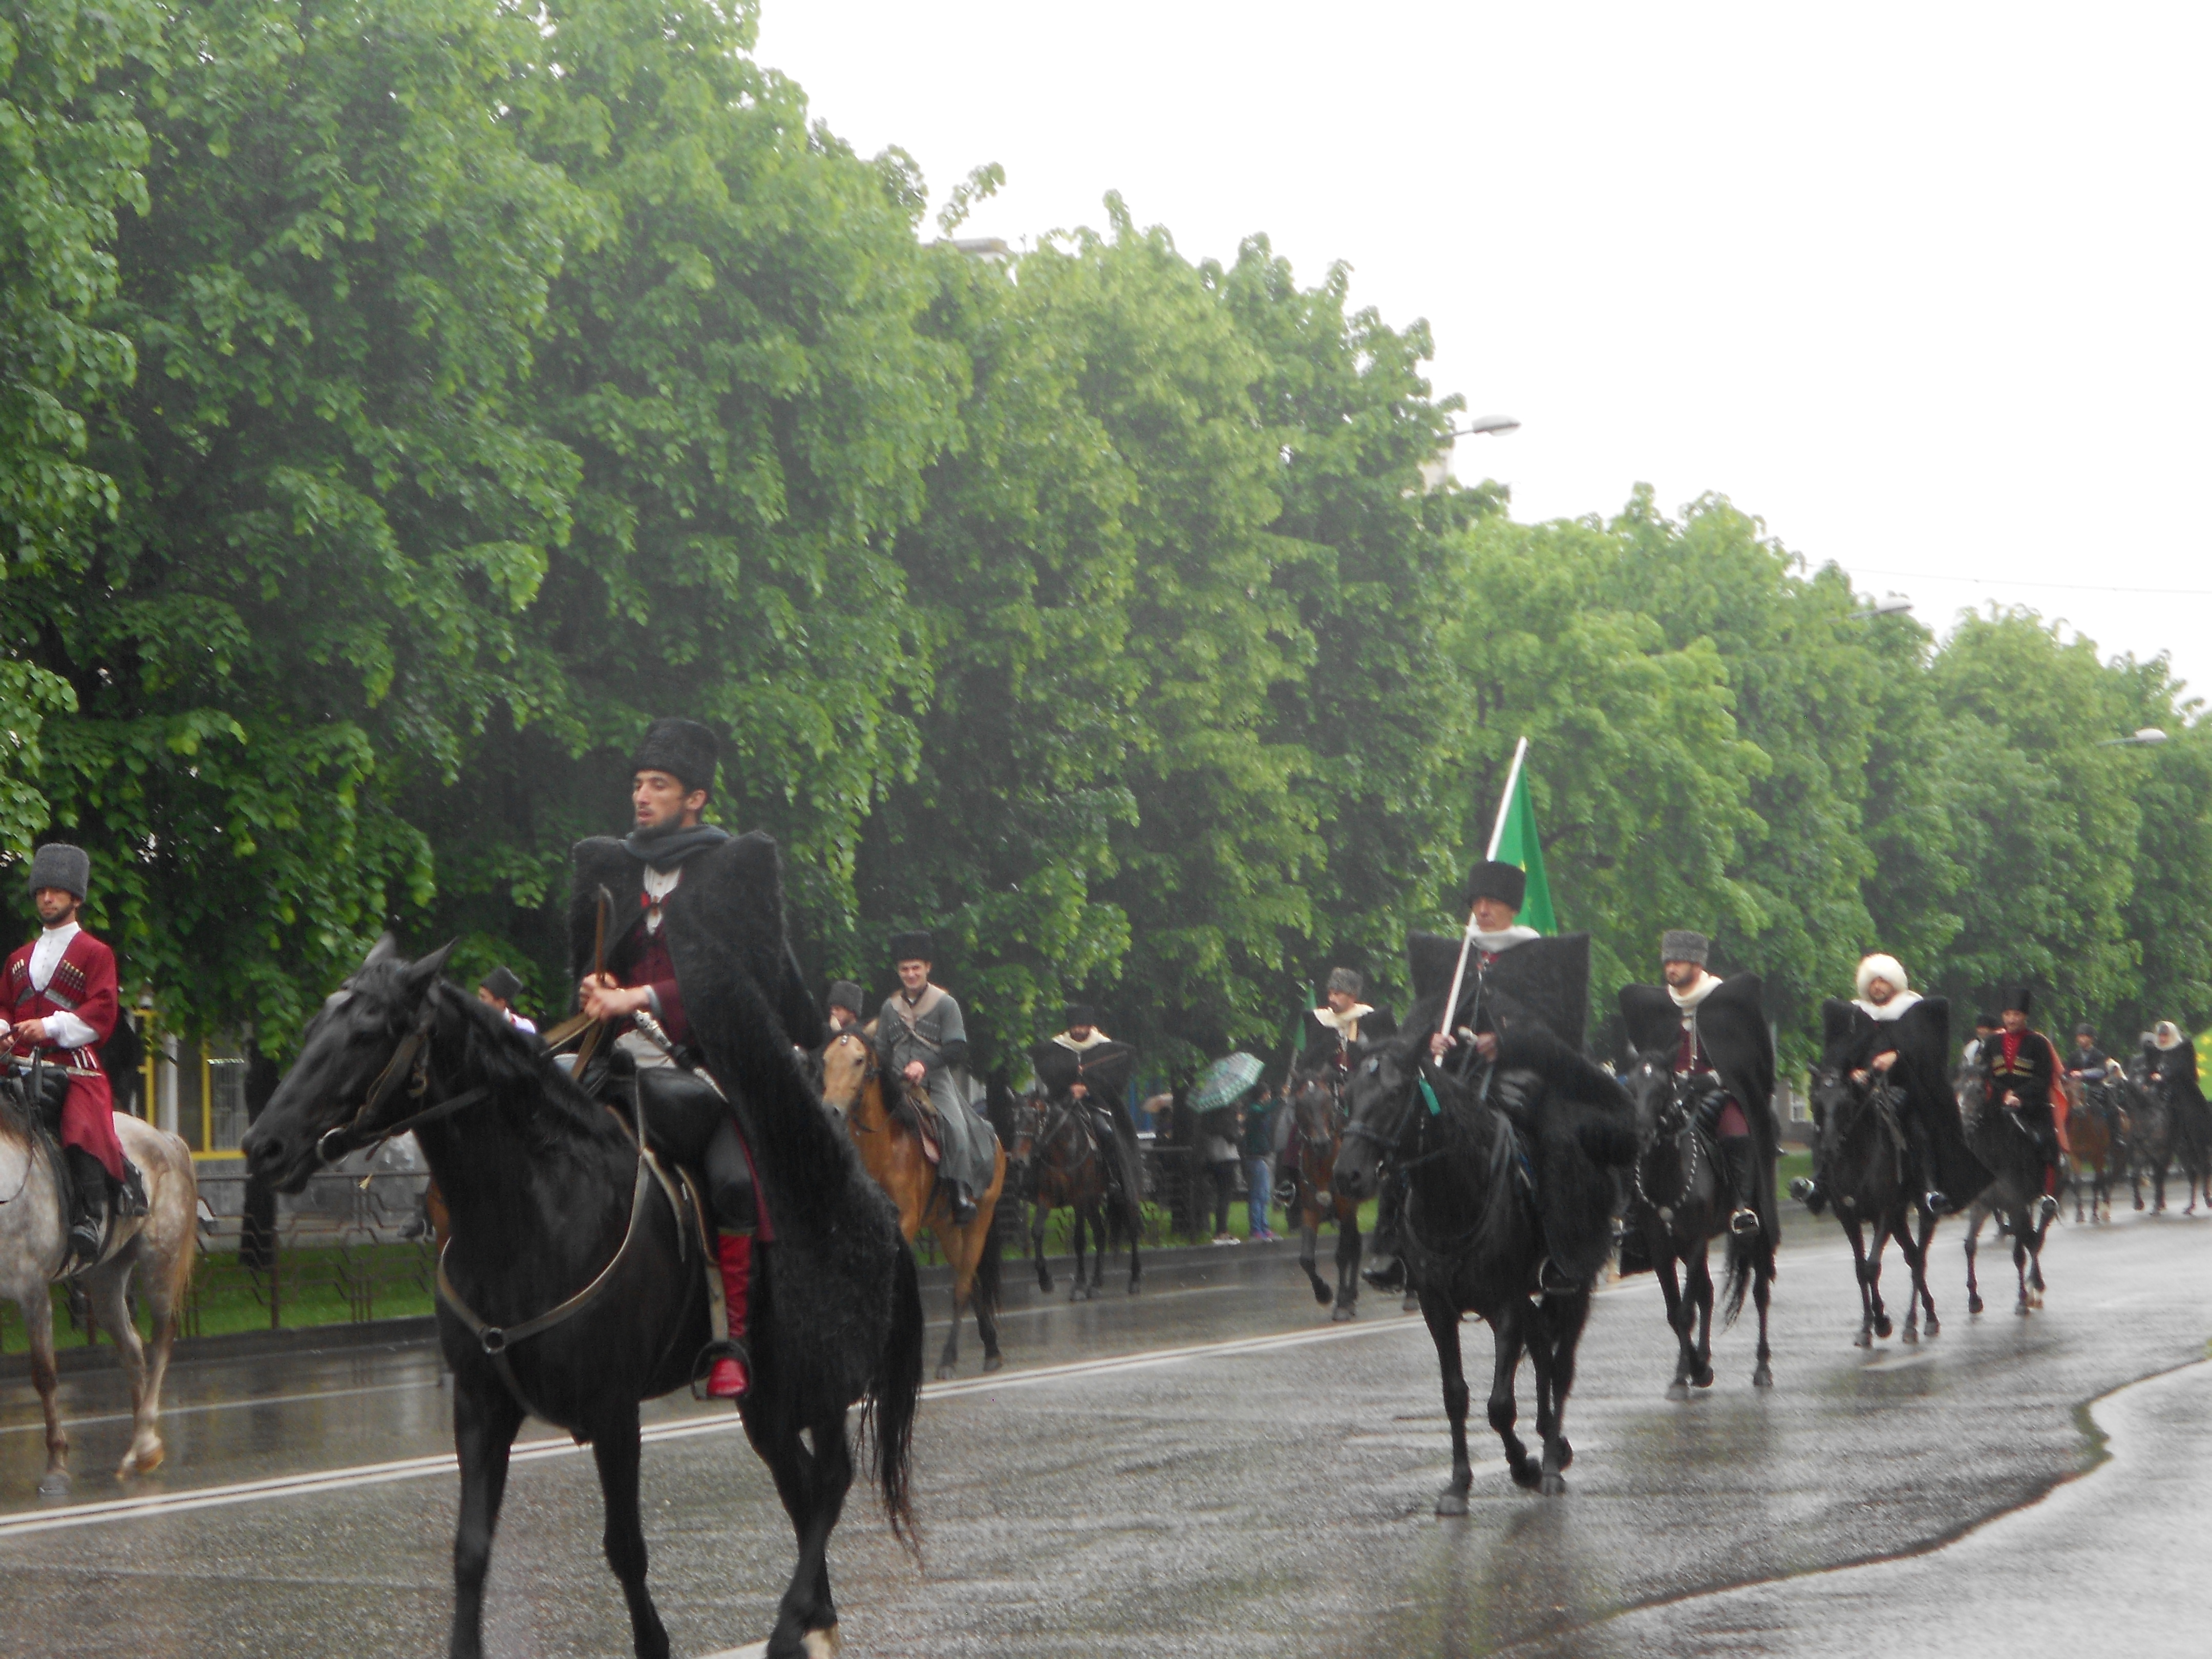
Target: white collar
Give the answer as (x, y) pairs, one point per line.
(46, 955)
(1345, 1023)
(1894, 1009)
(1088, 1043)
(2160, 1043)
(1505, 940)
(1687, 1001)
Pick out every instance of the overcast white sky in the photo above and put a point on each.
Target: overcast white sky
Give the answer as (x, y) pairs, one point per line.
(1924, 286)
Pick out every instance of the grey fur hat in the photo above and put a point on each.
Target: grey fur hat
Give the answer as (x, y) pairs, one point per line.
(1347, 979)
(57, 864)
(1681, 944)
(843, 993)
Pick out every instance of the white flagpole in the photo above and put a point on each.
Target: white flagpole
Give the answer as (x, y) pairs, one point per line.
(1497, 834)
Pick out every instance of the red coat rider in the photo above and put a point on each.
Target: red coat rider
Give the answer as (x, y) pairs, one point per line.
(61, 1001)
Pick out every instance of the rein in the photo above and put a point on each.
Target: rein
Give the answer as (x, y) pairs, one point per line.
(1660, 1135)
(411, 1060)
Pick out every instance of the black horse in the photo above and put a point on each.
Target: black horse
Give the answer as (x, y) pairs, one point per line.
(2169, 1132)
(2015, 1196)
(1473, 1238)
(1681, 1202)
(1867, 1165)
(568, 1248)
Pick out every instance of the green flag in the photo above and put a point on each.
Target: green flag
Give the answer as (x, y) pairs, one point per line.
(1514, 842)
(1298, 1024)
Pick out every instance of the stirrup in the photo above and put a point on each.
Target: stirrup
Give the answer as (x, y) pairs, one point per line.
(702, 1367)
(1803, 1188)
(2047, 1208)
(1938, 1201)
(1744, 1222)
(1388, 1274)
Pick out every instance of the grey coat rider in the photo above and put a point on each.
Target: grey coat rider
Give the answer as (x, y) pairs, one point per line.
(921, 1037)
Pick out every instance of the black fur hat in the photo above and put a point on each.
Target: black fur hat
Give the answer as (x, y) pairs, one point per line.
(843, 993)
(685, 750)
(913, 946)
(1080, 1013)
(2019, 998)
(57, 864)
(501, 983)
(1496, 879)
(1986, 1021)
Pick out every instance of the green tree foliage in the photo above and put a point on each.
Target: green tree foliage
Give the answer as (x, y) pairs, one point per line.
(465, 386)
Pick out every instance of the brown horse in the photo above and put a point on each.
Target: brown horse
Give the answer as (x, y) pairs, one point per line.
(1316, 1102)
(2089, 1137)
(892, 1152)
(1055, 1141)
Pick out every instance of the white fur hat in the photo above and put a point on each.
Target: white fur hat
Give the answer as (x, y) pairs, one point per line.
(2168, 1035)
(1879, 966)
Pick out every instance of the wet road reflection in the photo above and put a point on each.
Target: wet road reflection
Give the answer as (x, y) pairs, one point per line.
(1242, 1496)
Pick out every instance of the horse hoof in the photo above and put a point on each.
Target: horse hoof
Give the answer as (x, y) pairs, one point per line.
(1451, 1501)
(992, 1362)
(1411, 1304)
(1342, 1314)
(1973, 1304)
(1763, 1377)
(822, 1643)
(1566, 1453)
(2139, 1204)
(1133, 1286)
(945, 1373)
(140, 1460)
(1882, 1327)
(1864, 1339)
(1527, 1475)
(1705, 1378)
(1911, 1335)
(1678, 1389)
(54, 1484)
(1044, 1283)
(1321, 1292)
(1554, 1486)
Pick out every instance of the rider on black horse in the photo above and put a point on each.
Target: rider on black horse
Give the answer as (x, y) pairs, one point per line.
(2020, 1069)
(1894, 1032)
(2173, 1068)
(1087, 1071)
(1724, 1051)
(1343, 1020)
(1515, 1037)
(642, 876)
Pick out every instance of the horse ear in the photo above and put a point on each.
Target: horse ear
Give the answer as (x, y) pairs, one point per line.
(386, 949)
(422, 974)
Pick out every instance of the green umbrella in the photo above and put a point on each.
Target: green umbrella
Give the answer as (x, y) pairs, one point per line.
(1225, 1082)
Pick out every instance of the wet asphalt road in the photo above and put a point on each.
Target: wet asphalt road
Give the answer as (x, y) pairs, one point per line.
(1212, 1468)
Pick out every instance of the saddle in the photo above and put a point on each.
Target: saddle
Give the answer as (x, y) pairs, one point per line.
(920, 1112)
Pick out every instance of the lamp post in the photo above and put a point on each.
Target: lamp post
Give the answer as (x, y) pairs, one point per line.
(1493, 425)
(1890, 605)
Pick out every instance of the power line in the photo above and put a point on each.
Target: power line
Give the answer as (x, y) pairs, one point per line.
(2018, 581)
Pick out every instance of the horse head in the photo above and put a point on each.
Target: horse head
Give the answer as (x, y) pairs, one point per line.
(1316, 1102)
(362, 1065)
(848, 1062)
(1835, 1099)
(1658, 1096)
(1384, 1084)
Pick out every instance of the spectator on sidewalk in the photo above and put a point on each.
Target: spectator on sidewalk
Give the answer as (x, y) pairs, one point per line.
(1259, 1149)
(1217, 1145)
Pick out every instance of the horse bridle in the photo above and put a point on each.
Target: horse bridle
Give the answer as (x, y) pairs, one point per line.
(409, 1064)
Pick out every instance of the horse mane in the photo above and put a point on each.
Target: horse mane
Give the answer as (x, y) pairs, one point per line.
(512, 1063)
(1481, 1134)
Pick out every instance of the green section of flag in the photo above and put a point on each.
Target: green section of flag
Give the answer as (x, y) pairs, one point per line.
(1517, 845)
(1297, 1038)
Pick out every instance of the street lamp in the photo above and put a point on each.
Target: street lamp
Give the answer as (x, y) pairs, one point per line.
(2148, 737)
(1496, 426)
(1890, 605)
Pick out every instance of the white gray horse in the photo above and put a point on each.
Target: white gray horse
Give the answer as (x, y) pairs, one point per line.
(159, 1249)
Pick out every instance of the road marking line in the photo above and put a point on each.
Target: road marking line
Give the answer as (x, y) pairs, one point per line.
(168, 1412)
(539, 1451)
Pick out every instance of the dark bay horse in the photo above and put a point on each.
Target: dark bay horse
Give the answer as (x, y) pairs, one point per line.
(1681, 1202)
(2014, 1195)
(1866, 1162)
(1316, 1103)
(891, 1148)
(2093, 1148)
(2168, 1135)
(1065, 1169)
(1473, 1240)
(571, 1288)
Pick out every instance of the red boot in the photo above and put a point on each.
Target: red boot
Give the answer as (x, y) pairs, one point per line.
(730, 1375)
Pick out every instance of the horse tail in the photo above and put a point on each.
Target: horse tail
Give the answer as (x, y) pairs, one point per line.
(1743, 1254)
(896, 1396)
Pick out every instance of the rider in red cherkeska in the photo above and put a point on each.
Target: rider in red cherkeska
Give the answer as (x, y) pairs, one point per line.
(61, 998)
(2020, 1071)
(673, 776)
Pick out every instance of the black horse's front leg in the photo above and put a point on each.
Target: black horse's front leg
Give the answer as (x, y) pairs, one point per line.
(1443, 1330)
(1509, 1335)
(1347, 1266)
(614, 1450)
(1559, 1332)
(1678, 1317)
(485, 1422)
(1037, 1244)
(1701, 1299)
